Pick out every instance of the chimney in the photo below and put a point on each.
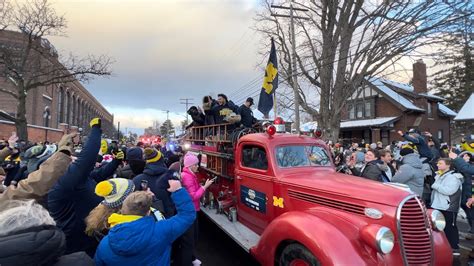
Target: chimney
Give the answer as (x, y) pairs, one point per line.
(419, 77)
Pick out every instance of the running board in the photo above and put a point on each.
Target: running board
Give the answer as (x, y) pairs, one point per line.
(241, 234)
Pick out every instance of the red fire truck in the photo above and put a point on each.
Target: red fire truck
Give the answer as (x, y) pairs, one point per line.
(278, 195)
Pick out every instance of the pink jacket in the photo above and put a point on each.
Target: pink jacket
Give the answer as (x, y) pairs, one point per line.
(190, 183)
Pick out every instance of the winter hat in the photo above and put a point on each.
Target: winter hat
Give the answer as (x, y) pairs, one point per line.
(135, 153)
(50, 149)
(405, 151)
(152, 155)
(114, 191)
(190, 160)
(373, 146)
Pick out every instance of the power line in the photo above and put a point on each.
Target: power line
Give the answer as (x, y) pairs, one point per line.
(186, 102)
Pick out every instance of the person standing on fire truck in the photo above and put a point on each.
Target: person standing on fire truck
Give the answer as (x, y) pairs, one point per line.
(246, 114)
(223, 109)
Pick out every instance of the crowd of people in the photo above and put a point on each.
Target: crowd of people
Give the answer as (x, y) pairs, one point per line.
(134, 204)
(101, 205)
(440, 175)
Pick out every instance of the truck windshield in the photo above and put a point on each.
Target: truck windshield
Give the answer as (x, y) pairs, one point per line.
(298, 156)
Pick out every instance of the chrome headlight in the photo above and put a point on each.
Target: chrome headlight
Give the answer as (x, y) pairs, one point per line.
(385, 240)
(378, 237)
(437, 220)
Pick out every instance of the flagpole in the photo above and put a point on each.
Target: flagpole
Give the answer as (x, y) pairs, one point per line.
(275, 104)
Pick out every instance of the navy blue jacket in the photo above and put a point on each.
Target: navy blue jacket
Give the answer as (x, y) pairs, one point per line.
(72, 197)
(105, 171)
(145, 241)
(246, 115)
(157, 176)
(421, 145)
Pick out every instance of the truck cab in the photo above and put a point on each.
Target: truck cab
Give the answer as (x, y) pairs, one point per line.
(279, 196)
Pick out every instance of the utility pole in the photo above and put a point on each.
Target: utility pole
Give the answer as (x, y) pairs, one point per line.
(294, 73)
(167, 122)
(186, 101)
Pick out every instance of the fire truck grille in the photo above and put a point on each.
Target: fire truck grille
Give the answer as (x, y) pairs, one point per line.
(327, 202)
(415, 236)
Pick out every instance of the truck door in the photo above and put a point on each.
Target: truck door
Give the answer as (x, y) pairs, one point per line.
(254, 183)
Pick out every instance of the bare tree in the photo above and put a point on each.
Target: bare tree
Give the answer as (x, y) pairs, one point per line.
(28, 61)
(346, 42)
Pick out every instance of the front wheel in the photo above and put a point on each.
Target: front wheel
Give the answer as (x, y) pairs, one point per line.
(297, 255)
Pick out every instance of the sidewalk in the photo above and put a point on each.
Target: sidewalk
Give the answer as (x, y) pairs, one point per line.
(465, 245)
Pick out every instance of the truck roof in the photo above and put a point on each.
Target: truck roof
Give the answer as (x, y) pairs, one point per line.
(281, 138)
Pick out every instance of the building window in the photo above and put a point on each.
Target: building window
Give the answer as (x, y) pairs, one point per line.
(384, 136)
(351, 111)
(440, 135)
(360, 110)
(368, 109)
(430, 112)
(60, 105)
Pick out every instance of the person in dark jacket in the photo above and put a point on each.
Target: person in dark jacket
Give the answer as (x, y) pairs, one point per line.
(197, 117)
(137, 239)
(208, 105)
(72, 197)
(35, 240)
(246, 114)
(410, 172)
(373, 168)
(223, 109)
(467, 185)
(135, 159)
(416, 138)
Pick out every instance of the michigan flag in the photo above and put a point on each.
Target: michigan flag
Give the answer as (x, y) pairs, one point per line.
(270, 83)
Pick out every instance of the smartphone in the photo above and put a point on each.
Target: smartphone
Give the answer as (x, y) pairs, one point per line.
(144, 185)
(214, 179)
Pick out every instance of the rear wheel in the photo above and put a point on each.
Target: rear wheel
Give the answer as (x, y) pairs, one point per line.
(297, 255)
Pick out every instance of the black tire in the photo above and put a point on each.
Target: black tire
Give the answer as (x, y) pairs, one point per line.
(294, 252)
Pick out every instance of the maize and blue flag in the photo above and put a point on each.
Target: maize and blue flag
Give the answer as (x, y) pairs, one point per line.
(270, 83)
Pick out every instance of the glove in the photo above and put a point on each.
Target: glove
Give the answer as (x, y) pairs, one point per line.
(96, 122)
(120, 155)
(66, 144)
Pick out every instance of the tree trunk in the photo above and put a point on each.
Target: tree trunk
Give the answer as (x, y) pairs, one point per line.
(330, 124)
(20, 122)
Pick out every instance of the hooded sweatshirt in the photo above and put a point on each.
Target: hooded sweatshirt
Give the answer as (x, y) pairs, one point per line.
(411, 173)
(145, 241)
(42, 245)
(446, 194)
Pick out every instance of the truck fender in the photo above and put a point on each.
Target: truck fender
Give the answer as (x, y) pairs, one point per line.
(325, 241)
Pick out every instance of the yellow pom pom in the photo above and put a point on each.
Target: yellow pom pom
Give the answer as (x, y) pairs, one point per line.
(103, 188)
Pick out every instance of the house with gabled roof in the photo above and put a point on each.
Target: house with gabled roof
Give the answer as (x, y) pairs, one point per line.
(381, 107)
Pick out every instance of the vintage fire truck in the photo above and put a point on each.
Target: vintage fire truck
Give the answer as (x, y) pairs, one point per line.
(279, 197)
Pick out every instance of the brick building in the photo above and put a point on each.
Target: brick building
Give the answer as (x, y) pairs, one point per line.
(56, 106)
(377, 110)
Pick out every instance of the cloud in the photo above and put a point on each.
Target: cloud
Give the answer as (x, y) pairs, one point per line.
(164, 50)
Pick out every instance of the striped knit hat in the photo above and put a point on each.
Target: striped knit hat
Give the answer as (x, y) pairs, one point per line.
(114, 191)
(152, 155)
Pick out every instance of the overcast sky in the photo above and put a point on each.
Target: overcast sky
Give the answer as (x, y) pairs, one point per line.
(163, 51)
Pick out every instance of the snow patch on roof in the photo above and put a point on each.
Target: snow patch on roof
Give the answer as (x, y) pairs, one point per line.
(392, 94)
(445, 110)
(429, 95)
(400, 85)
(467, 111)
(368, 122)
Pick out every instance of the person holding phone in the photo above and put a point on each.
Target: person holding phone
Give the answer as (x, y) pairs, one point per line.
(196, 191)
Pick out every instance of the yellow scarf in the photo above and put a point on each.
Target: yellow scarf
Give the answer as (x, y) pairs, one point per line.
(116, 219)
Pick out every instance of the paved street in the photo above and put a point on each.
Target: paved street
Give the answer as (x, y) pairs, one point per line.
(216, 248)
